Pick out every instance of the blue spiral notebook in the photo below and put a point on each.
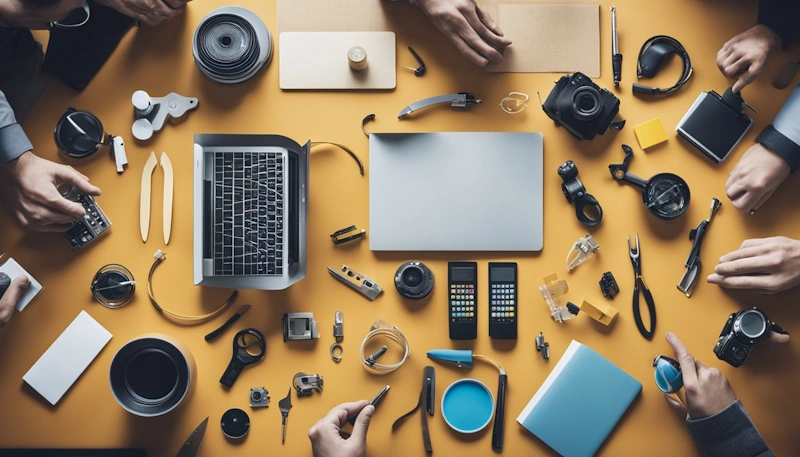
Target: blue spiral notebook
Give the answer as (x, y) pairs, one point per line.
(580, 403)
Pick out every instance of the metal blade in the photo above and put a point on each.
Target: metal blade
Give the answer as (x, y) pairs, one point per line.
(192, 445)
(689, 277)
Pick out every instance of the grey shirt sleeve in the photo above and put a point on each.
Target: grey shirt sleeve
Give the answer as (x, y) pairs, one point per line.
(783, 135)
(729, 433)
(13, 141)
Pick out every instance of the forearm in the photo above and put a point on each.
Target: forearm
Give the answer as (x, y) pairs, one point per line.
(729, 433)
(783, 135)
(782, 16)
(13, 141)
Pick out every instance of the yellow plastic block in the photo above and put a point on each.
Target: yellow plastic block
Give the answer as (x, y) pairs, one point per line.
(650, 133)
(606, 315)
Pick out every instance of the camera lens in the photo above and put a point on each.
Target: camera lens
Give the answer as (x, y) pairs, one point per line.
(256, 396)
(587, 103)
(740, 353)
(752, 324)
(412, 276)
(413, 280)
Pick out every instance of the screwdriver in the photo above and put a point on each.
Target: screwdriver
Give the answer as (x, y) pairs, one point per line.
(616, 57)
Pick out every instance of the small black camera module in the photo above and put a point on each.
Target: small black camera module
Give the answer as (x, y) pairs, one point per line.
(581, 106)
(413, 280)
(742, 332)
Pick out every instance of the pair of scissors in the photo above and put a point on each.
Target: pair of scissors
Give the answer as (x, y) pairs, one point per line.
(639, 285)
(249, 347)
(192, 445)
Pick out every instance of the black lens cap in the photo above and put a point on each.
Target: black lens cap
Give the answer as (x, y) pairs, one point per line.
(235, 423)
(78, 133)
(666, 196)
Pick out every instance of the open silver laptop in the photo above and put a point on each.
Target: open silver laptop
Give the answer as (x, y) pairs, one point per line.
(471, 191)
(250, 211)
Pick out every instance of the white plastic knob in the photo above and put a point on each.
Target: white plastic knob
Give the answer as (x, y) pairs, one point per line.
(142, 129)
(142, 102)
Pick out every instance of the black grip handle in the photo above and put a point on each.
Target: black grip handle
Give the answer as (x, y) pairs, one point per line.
(499, 414)
(222, 327)
(617, 64)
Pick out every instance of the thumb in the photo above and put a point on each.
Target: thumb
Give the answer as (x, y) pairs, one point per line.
(362, 424)
(777, 338)
(675, 405)
(11, 297)
(69, 175)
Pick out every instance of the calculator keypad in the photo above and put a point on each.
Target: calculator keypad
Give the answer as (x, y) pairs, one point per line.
(462, 302)
(503, 303)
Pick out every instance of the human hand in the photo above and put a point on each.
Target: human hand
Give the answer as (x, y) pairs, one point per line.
(325, 438)
(745, 56)
(707, 390)
(150, 12)
(469, 27)
(29, 188)
(755, 178)
(767, 266)
(10, 298)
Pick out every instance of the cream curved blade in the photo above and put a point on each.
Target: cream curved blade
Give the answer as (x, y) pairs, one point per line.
(169, 187)
(144, 199)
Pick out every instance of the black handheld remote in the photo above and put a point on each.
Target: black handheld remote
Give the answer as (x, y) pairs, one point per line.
(462, 278)
(93, 224)
(503, 308)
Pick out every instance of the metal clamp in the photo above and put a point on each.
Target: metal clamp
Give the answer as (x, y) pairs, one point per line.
(338, 334)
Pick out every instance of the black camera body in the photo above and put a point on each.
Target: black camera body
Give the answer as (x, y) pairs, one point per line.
(581, 106)
(742, 332)
(413, 280)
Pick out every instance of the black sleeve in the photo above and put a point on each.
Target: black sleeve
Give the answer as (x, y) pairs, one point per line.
(782, 16)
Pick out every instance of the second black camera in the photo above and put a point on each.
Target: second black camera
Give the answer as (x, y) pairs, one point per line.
(581, 106)
(742, 332)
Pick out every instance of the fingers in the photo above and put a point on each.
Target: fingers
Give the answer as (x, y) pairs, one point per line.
(11, 297)
(765, 284)
(777, 338)
(763, 200)
(489, 22)
(748, 76)
(61, 210)
(69, 175)
(748, 265)
(362, 424)
(339, 414)
(477, 35)
(736, 66)
(687, 361)
(746, 200)
(749, 248)
(676, 405)
(467, 51)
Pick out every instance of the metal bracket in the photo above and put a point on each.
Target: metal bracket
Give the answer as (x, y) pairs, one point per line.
(152, 112)
(299, 326)
(306, 384)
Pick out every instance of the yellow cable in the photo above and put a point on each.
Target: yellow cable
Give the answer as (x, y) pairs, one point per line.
(490, 360)
(160, 257)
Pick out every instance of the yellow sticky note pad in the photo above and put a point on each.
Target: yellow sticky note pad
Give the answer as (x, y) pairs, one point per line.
(650, 133)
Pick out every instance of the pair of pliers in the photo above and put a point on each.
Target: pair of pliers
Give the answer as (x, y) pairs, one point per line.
(639, 284)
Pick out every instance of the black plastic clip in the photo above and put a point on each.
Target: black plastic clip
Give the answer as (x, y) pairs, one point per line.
(337, 241)
(608, 285)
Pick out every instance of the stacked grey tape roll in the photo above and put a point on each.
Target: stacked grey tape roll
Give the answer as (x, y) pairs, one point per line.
(231, 45)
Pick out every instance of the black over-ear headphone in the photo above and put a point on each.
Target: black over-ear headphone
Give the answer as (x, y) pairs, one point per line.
(653, 53)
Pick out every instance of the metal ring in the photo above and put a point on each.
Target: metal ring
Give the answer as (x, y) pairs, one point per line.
(334, 347)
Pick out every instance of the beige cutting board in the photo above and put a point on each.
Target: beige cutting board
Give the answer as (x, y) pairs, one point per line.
(550, 39)
(318, 60)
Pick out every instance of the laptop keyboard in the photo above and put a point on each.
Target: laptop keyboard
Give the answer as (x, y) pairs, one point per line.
(248, 213)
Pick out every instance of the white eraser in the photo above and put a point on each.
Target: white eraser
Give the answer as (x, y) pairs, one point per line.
(67, 358)
(15, 270)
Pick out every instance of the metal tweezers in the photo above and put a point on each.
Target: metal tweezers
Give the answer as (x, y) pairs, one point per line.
(461, 101)
(426, 403)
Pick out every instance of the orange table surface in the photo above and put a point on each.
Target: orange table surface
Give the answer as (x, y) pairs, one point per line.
(159, 60)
